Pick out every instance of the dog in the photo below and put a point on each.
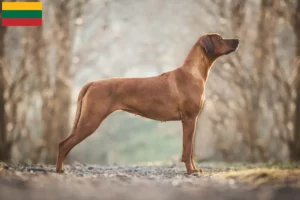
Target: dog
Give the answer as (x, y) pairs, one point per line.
(174, 95)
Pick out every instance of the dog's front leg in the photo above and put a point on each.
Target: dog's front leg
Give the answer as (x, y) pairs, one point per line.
(188, 126)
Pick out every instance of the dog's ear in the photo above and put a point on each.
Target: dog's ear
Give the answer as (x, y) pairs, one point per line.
(207, 45)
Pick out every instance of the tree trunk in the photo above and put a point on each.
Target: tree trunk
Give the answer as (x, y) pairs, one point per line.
(4, 147)
(62, 90)
(295, 144)
(44, 87)
(263, 57)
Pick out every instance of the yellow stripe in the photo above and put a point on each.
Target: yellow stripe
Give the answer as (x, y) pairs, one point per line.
(22, 6)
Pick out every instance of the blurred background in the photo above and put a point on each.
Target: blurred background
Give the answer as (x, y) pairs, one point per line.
(252, 108)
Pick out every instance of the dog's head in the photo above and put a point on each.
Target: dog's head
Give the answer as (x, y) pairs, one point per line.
(215, 46)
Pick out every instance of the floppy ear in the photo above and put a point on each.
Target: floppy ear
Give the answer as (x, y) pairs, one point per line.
(207, 45)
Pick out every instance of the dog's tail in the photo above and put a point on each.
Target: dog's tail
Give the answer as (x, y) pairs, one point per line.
(79, 103)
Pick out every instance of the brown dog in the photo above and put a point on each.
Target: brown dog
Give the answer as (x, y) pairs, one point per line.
(174, 95)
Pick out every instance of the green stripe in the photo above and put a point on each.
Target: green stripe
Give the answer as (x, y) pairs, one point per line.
(22, 14)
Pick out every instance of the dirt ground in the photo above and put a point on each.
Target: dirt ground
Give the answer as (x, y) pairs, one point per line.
(143, 182)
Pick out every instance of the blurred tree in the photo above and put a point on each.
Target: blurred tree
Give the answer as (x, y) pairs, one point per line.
(38, 48)
(15, 95)
(251, 85)
(57, 98)
(263, 61)
(237, 19)
(3, 143)
(295, 144)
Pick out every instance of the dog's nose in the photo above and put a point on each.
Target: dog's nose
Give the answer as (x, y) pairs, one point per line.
(236, 42)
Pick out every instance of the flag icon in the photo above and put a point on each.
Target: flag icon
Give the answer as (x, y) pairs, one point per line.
(22, 14)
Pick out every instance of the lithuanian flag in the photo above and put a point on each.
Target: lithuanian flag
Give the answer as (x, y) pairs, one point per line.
(22, 14)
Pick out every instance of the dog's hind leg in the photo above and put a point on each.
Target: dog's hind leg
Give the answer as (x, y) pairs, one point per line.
(86, 127)
(89, 119)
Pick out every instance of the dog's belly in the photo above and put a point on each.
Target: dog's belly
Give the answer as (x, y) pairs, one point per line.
(154, 114)
(151, 104)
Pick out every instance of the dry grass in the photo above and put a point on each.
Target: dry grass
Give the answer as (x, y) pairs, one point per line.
(261, 176)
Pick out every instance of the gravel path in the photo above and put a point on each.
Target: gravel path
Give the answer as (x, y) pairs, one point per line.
(128, 182)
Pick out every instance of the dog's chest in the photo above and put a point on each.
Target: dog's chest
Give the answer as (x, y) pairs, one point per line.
(192, 102)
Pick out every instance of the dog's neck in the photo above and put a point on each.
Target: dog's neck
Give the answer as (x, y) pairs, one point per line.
(197, 63)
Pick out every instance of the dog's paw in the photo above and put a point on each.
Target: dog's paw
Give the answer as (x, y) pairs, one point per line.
(199, 170)
(60, 171)
(194, 172)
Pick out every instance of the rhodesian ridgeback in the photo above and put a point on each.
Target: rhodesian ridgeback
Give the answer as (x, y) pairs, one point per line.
(174, 95)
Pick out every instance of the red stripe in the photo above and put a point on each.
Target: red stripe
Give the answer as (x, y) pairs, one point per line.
(22, 22)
